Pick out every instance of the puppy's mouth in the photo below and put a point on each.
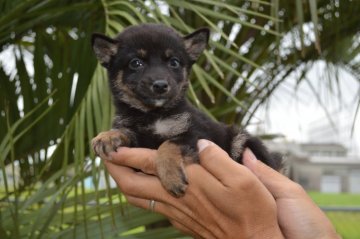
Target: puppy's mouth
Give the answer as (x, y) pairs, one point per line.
(154, 99)
(155, 102)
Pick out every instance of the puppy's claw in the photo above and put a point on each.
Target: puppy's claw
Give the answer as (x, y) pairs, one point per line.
(178, 190)
(175, 180)
(107, 142)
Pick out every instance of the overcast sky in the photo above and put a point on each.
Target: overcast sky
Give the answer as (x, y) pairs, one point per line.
(297, 114)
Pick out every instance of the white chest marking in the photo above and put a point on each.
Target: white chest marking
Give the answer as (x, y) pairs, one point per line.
(172, 126)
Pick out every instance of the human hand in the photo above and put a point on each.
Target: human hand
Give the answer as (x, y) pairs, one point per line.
(299, 217)
(224, 199)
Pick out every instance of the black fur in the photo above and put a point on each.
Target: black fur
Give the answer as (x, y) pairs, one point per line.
(148, 67)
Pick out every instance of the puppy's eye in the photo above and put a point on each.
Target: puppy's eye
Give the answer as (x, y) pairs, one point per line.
(174, 62)
(136, 64)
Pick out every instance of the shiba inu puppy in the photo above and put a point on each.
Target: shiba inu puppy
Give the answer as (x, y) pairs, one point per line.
(148, 67)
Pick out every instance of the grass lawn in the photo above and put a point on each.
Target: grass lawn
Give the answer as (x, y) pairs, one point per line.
(347, 223)
(335, 199)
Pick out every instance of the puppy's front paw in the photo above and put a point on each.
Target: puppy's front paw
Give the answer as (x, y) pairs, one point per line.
(174, 180)
(170, 169)
(107, 142)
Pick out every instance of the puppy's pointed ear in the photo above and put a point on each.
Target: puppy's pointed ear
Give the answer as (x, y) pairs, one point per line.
(104, 48)
(196, 42)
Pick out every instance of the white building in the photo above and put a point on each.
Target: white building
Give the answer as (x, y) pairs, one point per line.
(324, 167)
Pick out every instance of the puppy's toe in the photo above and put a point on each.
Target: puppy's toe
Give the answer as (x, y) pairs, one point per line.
(170, 168)
(98, 147)
(107, 142)
(116, 143)
(178, 190)
(174, 180)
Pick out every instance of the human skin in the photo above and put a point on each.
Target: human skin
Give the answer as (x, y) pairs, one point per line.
(224, 199)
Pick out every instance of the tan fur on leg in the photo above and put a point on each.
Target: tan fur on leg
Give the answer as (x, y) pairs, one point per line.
(170, 168)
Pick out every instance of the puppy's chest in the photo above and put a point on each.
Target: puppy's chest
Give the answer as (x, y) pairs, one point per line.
(162, 127)
(171, 126)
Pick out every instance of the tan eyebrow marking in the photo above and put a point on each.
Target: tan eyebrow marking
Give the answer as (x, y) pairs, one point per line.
(168, 53)
(142, 52)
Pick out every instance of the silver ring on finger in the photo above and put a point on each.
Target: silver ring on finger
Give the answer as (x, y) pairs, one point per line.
(152, 205)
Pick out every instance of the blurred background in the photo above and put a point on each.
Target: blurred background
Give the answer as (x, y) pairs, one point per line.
(286, 70)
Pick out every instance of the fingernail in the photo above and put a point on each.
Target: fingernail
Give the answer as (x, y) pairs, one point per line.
(251, 155)
(203, 144)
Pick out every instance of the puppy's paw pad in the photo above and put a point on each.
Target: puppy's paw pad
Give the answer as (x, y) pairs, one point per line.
(107, 142)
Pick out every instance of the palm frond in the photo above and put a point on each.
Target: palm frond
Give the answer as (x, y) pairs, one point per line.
(54, 97)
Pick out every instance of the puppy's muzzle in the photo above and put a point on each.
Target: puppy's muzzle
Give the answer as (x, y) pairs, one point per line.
(160, 87)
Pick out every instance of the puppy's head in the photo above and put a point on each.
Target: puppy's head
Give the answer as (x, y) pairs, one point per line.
(148, 64)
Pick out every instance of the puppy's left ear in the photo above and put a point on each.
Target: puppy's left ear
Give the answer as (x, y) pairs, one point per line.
(196, 42)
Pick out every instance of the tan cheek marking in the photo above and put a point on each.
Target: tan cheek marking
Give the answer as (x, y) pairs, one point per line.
(127, 95)
(118, 81)
(120, 85)
(185, 73)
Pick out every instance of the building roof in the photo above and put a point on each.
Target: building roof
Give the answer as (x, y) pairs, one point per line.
(333, 146)
(334, 160)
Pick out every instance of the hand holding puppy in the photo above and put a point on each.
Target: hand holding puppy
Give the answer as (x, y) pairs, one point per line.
(224, 199)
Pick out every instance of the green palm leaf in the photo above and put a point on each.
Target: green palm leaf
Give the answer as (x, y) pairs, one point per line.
(54, 97)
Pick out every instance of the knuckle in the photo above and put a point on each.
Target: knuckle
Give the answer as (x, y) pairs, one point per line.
(127, 186)
(214, 152)
(245, 183)
(244, 180)
(129, 199)
(295, 188)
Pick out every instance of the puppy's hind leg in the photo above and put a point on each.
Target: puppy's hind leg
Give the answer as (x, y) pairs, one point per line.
(242, 140)
(237, 146)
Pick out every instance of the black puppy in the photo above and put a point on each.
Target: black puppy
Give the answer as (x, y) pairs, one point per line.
(148, 67)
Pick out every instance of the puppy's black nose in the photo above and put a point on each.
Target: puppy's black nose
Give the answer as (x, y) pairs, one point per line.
(160, 86)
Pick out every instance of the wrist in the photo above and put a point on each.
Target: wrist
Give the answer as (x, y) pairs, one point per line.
(331, 235)
(268, 233)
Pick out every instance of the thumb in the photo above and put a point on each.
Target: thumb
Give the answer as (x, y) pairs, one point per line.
(274, 181)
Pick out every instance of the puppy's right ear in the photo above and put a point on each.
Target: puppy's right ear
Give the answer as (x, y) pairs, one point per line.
(196, 42)
(104, 48)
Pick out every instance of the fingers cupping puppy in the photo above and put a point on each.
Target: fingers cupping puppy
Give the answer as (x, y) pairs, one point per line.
(139, 188)
(216, 201)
